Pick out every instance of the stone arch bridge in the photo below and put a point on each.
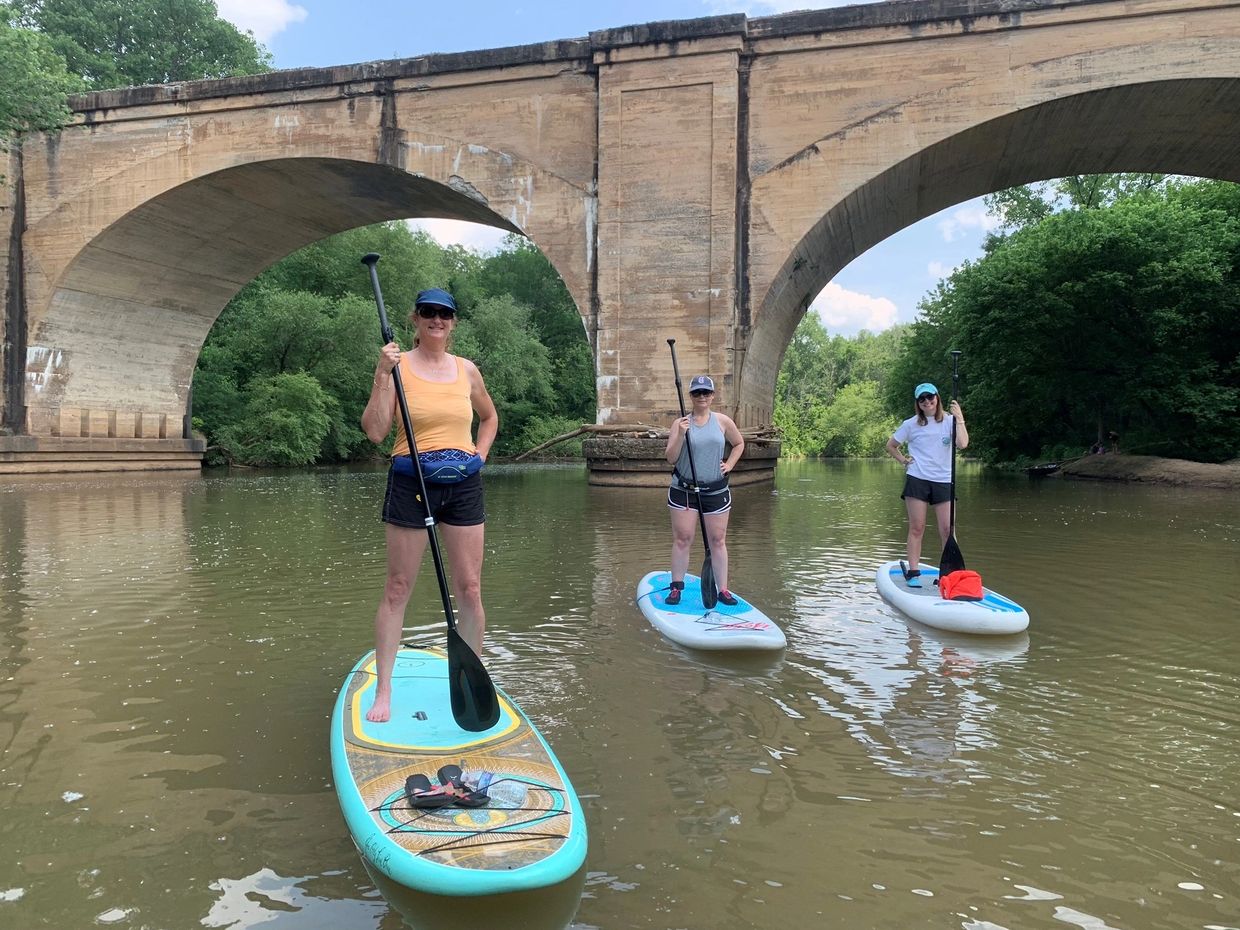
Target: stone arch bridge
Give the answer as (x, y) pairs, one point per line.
(699, 179)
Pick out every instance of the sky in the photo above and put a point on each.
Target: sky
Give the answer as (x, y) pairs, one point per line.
(877, 290)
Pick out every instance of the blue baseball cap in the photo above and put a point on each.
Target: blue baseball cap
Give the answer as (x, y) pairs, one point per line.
(701, 383)
(924, 388)
(436, 296)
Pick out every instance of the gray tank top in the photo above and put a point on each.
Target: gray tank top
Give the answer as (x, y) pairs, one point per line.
(707, 442)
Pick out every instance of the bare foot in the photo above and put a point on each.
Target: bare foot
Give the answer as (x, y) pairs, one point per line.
(381, 710)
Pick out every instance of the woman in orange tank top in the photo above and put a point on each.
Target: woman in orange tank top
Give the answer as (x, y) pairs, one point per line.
(443, 392)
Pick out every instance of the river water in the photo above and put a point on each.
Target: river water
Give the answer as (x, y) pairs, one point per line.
(171, 647)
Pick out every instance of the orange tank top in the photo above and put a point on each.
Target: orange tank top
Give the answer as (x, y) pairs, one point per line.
(441, 413)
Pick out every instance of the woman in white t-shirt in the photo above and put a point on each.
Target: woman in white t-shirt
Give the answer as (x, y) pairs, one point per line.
(928, 480)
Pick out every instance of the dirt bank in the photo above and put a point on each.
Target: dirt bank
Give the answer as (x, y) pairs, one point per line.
(1151, 468)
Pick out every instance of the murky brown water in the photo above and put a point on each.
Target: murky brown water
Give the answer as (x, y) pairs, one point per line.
(170, 649)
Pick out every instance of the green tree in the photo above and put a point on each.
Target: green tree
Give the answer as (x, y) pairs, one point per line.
(522, 271)
(856, 424)
(826, 380)
(500, 338)
(1125, 318)
(124, 43)
(313, 313)
(284, 422)
(266, 333)
(33, 81)
(1018, 207)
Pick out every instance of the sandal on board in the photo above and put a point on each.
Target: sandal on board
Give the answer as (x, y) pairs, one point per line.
(462, 795)
(424, 796)
(673, 594)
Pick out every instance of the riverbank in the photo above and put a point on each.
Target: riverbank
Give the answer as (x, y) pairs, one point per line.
(1154, 470)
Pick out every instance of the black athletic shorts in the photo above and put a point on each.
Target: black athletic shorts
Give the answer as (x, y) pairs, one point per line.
(680, 499)
(932, 492)
(458, 504)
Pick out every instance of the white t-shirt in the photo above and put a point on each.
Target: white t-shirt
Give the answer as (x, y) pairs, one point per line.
(930, 446)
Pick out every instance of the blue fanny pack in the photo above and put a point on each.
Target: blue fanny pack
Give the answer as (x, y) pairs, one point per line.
(440, 466)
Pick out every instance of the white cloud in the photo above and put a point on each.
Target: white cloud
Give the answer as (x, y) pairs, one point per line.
(474, 236)
(957, 223)
(264, 18)
(938, 270)
(844, 311)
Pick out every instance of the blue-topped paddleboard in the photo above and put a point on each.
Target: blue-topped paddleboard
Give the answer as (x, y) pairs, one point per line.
(531, 833)
(689, 623)
(994, 614)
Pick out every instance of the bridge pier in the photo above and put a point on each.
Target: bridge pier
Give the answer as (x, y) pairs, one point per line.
(638, 461)
(45, 455)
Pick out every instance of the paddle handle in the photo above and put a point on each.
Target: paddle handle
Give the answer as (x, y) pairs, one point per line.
(370, 259)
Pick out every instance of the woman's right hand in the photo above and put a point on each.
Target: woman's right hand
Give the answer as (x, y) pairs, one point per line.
(681, 425)
(389, 358)
(908, 460)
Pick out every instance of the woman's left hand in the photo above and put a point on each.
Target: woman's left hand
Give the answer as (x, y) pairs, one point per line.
(955, 411)
(724, 467)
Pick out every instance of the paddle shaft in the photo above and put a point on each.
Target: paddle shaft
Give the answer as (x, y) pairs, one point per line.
(671, 343)
(951, 532)
(370, 261)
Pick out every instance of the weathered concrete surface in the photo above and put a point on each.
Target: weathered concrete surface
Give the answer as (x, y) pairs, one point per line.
(615, 461)
(701, 180)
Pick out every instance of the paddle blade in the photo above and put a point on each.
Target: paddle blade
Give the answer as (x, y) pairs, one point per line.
(710, 593)
(475, 705)
(953, 558)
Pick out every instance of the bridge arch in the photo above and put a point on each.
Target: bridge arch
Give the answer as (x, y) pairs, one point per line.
(1132, 127)
(133, 307)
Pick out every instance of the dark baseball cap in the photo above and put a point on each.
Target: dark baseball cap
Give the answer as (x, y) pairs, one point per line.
(436, 296)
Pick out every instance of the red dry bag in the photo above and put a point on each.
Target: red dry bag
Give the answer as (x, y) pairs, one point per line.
(962, 585)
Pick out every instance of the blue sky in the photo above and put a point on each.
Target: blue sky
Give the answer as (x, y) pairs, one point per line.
(878, 289)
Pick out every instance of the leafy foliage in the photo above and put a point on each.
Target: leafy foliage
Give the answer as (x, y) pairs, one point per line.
(124, 43)
(33, 80)
(828, 397)
(1089, 321)
(284, 422)
(313, 315)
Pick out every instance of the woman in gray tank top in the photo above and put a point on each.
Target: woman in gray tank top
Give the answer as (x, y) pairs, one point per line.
(709, 435)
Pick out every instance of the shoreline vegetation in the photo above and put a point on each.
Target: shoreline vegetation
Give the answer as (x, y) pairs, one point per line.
(1141, 469)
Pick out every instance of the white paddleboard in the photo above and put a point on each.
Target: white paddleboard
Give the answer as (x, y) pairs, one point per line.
(993, 615)
(689, 623)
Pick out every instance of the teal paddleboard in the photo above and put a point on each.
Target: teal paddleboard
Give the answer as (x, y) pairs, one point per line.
(530, 834)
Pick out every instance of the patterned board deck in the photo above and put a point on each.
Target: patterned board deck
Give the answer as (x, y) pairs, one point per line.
(530, 834)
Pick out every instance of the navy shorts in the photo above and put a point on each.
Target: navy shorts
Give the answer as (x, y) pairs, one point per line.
(680, 499)
(932, 492)
(458, 504)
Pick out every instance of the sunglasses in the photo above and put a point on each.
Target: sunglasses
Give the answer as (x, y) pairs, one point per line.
(700, 393)
(430, 311)
(926, 397)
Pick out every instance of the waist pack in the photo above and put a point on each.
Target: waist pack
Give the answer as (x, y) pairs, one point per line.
(704, 487)
(440, 466)
(962, 585)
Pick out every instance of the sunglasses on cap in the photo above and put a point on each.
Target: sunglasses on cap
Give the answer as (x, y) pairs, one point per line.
(926, 397)
(430, 311)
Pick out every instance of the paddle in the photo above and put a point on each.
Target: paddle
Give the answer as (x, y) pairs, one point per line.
(475, 705)
(710, 593)
(953, 558)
